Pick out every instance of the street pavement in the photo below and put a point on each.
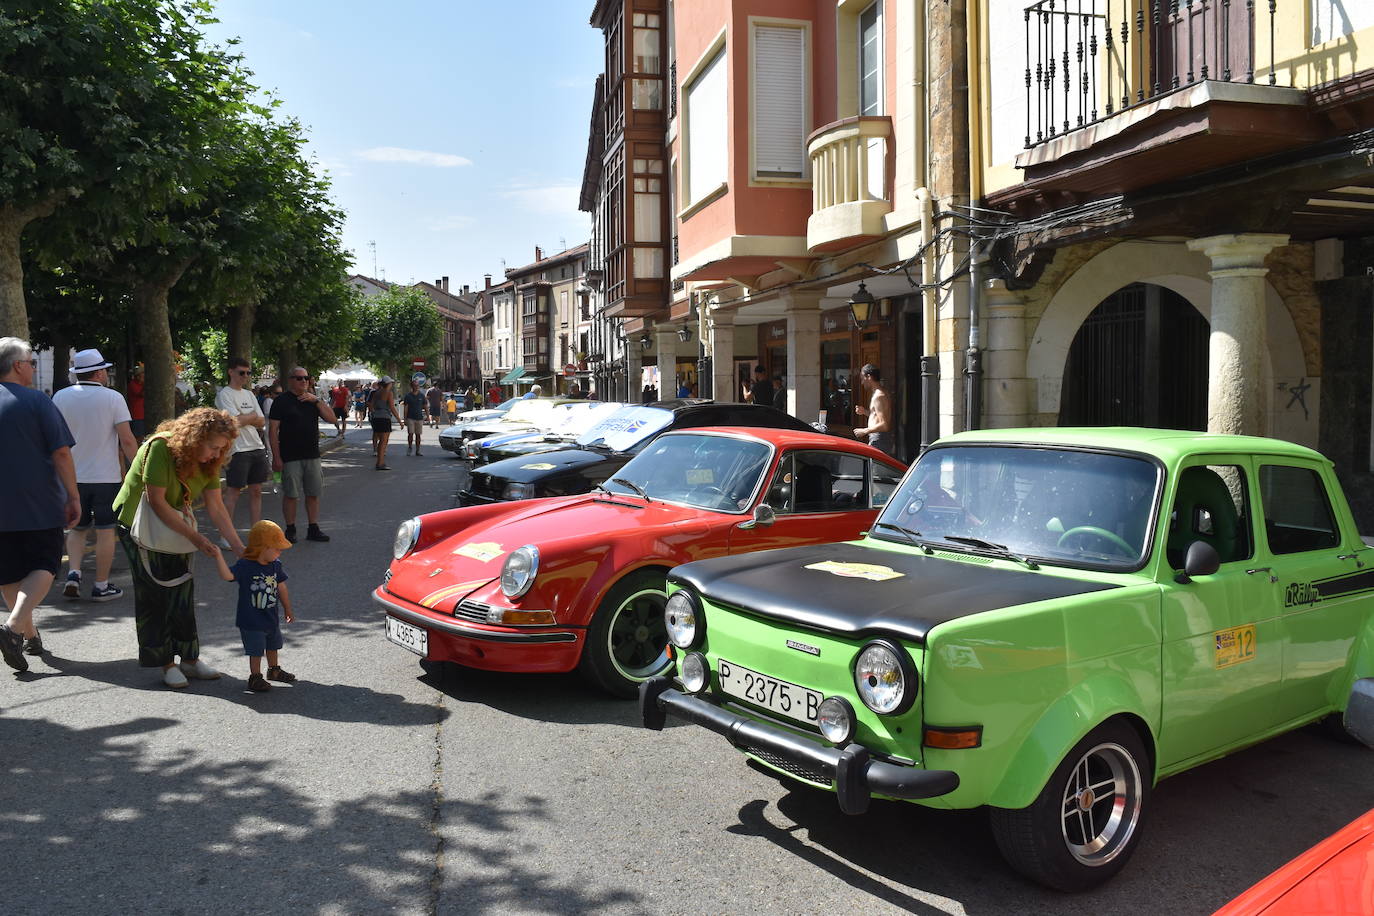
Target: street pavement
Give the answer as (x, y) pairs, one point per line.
(376, 785)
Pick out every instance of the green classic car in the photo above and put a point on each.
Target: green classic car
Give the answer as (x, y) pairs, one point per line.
(1044, 622)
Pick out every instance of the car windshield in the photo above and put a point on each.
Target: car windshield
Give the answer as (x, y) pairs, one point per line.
(625, 428)
(582, 417)
(719, 473)
(1065, 506)
(535, 412)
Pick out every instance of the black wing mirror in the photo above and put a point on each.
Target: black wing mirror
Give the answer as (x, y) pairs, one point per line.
(1201, 559)
(763, 517)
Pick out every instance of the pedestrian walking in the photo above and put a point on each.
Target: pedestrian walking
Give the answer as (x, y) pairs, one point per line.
(381, 409)
(761, 392)
(434, 397)
(98, 418)
(262, 591)
(880, 430)
(249, 467)
(133, 393)
(38, 498)
(178, 464)
(359, 406)
(339, 396)
(471, 399)
(414, 403)
(493, 396)
(294, 430)
(451, 408)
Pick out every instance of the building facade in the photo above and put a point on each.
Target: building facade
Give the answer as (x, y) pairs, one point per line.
(547, 325)
(459, 364)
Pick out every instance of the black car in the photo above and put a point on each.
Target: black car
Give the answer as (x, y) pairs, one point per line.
(606, 447)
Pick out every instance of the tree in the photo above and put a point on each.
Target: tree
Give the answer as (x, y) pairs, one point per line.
(395, 327)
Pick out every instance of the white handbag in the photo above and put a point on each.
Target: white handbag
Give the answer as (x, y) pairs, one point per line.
(151, 533)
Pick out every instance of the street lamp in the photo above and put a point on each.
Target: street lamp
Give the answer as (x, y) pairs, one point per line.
(684, 333)
(645, 342)
(864, 308)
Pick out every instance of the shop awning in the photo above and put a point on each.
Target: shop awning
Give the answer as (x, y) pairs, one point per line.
(512, 375)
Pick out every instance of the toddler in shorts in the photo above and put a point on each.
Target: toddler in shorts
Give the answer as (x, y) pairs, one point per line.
(262, 589)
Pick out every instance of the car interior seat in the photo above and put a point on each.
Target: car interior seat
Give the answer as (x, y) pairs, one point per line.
(1204, 511)
(814, 483)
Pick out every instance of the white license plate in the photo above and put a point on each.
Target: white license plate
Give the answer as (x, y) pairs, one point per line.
(790, 700)
(403, 634)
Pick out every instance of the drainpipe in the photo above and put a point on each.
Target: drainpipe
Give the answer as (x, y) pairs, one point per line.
(930, 361)
(973, 357)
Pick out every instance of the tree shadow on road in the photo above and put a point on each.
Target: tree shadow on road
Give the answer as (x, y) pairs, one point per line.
(109, 819)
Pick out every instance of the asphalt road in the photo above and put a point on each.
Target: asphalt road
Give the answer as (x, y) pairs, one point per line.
(375, 787)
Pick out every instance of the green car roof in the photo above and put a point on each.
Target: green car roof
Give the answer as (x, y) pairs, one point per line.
(1168, 445)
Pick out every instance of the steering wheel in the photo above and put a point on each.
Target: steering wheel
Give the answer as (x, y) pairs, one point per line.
(1126, 549)
(720, 497)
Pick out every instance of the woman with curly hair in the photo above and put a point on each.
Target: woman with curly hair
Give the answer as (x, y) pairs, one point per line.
(178, 463)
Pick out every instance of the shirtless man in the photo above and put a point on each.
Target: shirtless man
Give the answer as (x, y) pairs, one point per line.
(879, 431)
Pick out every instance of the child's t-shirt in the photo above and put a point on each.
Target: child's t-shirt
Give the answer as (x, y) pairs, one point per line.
(258, 601)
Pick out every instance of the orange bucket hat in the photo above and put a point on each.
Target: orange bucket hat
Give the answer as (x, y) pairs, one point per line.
(261, 536)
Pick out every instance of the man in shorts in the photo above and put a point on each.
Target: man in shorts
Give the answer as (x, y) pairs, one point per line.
(435, 398)
(414, 401)
(339, 398)
(294, 428)
(248, 466)
(98, 418)
(38, 496)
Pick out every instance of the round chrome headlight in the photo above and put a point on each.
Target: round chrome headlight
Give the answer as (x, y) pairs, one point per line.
(519, 570)
(519, 490)
(835, 718)
(682, 618)
(695, 673)
(406, 536)
(885, 678)
(472, 449)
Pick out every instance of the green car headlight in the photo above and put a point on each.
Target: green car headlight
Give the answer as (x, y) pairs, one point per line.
(695, 673)
(835, 719)
(406, 537)
(519, 570)
(519, 490)
(885, 678)
(682, 618)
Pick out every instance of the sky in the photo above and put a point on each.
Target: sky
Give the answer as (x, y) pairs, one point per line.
(454, 131)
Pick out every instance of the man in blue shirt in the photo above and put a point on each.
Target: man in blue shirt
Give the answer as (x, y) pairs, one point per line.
(38, 496)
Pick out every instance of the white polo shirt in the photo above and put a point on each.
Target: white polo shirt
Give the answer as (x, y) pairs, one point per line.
(240, 402)
(92, 411)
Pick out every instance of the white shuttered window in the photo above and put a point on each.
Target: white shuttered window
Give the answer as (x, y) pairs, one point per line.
(780, 83)
(707, 153)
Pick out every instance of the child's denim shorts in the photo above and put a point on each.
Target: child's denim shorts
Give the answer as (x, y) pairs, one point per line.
(256, 643)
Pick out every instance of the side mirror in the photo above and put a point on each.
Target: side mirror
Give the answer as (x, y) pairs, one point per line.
(762, 518)
(1201, 559)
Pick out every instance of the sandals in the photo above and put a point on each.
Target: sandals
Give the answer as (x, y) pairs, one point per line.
(258, 684)
(276, 673)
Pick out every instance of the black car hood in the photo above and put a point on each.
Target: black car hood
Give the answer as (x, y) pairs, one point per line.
(512, 470)
(928, 591)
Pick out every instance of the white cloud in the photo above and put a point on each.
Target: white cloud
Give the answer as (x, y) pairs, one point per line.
(558, 199)
(413, 157)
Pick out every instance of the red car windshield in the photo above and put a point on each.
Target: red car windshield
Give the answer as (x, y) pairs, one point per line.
(720, 473)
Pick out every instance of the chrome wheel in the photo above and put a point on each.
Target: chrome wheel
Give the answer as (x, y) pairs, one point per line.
(1101, 804)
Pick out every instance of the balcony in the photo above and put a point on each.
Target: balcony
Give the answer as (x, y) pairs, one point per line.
(851, 182)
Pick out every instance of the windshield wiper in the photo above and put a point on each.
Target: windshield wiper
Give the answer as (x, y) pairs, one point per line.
(908, 533)
(1000, 549)
(633, 486)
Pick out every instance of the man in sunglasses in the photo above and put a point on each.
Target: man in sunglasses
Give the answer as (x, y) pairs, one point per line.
(248, 465)
(294, 430)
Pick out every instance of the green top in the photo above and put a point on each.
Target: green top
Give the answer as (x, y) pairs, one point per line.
(155, 465)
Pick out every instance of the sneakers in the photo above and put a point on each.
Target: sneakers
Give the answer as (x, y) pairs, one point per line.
(258, 684)
(407, 450)
(224, 543)
(199, 670)
(173, 678)
(290, 532)
(108, 593)
(73, 587)
(11, 647)
(276, 673)
(417, 453)
(313, 533)
(34, 644)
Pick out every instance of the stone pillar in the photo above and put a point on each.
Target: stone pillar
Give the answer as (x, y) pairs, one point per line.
(722, 348)
(1237, 398)
(803, 354)
(665, 339)
(1006, 387)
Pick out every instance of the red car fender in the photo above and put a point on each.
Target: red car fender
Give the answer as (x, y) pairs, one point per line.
(435, 526)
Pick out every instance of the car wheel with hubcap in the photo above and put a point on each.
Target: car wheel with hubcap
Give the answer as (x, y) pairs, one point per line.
(627, 642)
(1084, 824)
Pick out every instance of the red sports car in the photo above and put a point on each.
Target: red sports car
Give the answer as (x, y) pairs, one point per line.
(578, 581)
(1333, 878)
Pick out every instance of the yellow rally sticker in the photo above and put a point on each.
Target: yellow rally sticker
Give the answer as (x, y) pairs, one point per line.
(449, 591)
(870, 571)
(485, 551)
(542, 466)
(1235, 646)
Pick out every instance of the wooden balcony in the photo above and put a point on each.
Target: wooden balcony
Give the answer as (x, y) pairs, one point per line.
(851, 182)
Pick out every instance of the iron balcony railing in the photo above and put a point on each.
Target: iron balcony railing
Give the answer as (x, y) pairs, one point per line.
(1089, 59)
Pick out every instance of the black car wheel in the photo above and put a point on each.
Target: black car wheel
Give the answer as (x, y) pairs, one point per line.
(627, 641)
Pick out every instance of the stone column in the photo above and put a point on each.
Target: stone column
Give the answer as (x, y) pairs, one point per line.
(665, 339)
(1236, 393)
(803, 354)
(1005, 387)
(722, 348)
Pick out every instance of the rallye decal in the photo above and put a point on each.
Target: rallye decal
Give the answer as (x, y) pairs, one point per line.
(1344, 586)
(935, 590)
(448, 591)
(869, 571)
(540, 466)
(485, 551)
(1235, 645)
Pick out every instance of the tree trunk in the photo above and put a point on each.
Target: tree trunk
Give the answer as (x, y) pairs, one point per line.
(241, 330)
(14, 313)
(287, 359)
(155, 334)
(61, 362)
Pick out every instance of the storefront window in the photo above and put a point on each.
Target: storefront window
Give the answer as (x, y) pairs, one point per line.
(836, 396)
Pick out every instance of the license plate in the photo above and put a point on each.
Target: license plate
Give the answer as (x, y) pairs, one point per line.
(408, 637)
(790, 700)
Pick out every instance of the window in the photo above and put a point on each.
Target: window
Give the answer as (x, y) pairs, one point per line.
(885, 480)
(646, 89)
(706, 130)
(780, 94)
(817, 481)
(1297, 516)
(870, 61)
(1212, 505)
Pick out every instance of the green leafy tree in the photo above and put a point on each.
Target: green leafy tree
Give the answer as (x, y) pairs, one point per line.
(395, 327)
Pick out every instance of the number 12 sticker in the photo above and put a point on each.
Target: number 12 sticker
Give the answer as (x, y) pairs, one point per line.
(1235, 646)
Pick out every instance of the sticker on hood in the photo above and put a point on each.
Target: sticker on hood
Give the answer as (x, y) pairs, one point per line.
(539, 466)
(869, 571)
(485, 551)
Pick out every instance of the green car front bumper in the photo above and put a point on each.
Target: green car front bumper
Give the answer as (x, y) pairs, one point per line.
(852, 770)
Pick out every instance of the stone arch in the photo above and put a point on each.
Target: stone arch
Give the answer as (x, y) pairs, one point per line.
(1169, 265)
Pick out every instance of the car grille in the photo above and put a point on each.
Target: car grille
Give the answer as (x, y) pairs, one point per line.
(788, 766)
(485, 485)
(474, 611)
(386, 576)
